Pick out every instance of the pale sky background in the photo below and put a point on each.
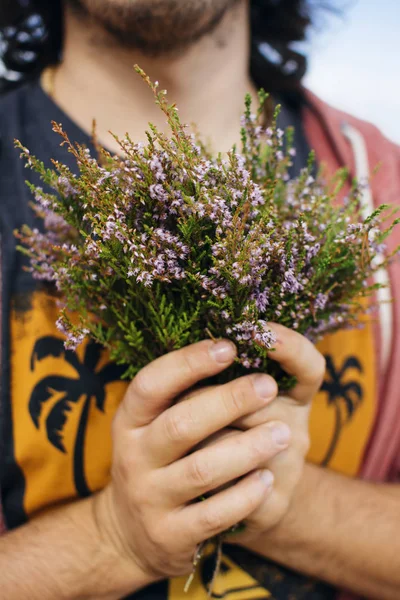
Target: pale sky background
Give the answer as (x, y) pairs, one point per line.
(355, 62)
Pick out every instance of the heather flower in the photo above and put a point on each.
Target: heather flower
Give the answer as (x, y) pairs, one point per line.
(166, 244)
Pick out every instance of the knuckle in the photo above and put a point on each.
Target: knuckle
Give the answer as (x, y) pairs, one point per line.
(199, 473)
(190, 361)
(142, 385)
(259, 448)
(211, 521)
(176, 427)
(236, 399)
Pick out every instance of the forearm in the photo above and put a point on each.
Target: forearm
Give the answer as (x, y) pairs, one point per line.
(62, 555)
(343, 531)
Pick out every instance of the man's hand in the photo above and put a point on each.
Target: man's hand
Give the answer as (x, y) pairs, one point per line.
(150, 513)
(300, 358)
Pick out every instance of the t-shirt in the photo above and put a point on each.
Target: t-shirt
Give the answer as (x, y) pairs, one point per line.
(57, 406)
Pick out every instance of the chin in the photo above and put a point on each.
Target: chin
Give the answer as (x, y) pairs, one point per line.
(157, 26)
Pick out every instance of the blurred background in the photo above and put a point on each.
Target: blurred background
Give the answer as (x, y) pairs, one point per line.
(354, 62)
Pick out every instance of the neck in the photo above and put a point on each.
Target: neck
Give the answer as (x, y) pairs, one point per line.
(208, 82)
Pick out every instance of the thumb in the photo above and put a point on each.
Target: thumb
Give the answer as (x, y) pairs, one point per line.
(155, 387)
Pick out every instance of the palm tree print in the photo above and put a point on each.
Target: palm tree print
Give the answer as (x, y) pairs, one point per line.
(89, 383)
(344, 397)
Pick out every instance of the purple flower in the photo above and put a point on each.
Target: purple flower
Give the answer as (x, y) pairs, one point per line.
(320, 301)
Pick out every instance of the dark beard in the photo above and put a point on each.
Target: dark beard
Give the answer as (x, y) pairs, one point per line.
(156, 27)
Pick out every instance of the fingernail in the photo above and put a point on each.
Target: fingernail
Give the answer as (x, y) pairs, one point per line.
(267, 478)
(264, 386)
(223, 352)
(280, 434)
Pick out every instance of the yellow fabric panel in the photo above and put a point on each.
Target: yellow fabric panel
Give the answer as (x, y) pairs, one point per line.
(48, 471)
(343, 415)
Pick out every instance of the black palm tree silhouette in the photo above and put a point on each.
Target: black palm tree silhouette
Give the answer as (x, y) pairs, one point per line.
(89, 383)
(345, 397)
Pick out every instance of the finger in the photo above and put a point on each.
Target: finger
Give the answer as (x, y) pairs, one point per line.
(265, 413)
(283, 408)
(157, 384)
(256, 418)
(208, 518)
(199, 389)
(227, 460)
(299, 357)
(183, 426)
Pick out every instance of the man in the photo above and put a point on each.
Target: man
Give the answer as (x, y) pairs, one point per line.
(138, 534)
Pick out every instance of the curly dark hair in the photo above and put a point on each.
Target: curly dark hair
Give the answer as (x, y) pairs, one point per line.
(31, 34)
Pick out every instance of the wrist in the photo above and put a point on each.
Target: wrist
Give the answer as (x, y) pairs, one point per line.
(123, 571)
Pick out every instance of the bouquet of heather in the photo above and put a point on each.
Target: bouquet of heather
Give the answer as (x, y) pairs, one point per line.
(165, 244)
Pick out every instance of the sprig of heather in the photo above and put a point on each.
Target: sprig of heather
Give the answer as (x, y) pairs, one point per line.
(152, 248)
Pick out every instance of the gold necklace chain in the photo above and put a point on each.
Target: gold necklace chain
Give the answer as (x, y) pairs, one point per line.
(47, 81)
